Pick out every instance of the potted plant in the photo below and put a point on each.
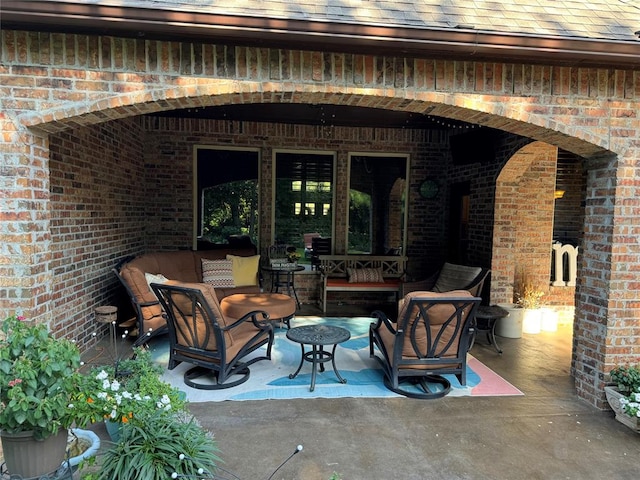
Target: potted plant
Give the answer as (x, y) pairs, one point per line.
(38, 375)
(624, 395)
(127, 391)
(529, 298)
(165, 445)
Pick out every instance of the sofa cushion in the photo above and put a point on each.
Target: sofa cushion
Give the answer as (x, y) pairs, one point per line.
(455, 277)
(245, 269)
(218, 273)
(365, 275)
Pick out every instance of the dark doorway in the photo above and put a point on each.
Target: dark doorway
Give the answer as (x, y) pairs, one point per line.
(459, 223)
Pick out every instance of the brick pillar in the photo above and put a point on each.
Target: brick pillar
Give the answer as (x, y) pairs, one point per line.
(606, 326)
(24, 223)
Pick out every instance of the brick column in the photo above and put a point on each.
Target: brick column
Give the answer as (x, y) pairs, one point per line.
(25, 237)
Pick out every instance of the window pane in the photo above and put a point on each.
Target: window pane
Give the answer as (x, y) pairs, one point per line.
(303, 196)
(377, 203)
(227, 194)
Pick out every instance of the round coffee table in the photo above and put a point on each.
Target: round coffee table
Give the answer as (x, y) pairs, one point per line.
(317, 336)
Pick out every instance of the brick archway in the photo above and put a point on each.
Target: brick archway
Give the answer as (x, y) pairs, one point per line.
(523, 222)
(61, 88)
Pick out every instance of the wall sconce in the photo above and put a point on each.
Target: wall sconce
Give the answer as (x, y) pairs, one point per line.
(558, 194)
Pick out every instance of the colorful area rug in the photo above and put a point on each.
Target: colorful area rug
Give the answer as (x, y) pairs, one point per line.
(270, 380)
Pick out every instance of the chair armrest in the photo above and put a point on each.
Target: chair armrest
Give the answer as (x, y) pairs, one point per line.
(149, 304)
(424, 285)
(383, 320)
(250, 316)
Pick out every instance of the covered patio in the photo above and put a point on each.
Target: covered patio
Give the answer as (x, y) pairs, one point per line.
(100, 130)
(547, 433)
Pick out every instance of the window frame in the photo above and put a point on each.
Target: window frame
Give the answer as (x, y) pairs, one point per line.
(405, 220)
(274, 179)
(198, 211)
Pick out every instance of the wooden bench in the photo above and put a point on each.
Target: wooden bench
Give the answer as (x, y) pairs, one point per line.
(335, 274)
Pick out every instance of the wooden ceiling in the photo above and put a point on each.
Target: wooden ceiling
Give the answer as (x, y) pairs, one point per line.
(308, 114)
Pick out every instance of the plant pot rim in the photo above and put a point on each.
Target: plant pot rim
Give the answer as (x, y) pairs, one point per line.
(89, 452)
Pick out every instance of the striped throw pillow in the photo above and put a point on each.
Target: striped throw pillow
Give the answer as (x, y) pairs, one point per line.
(218, 273)
(365, 275)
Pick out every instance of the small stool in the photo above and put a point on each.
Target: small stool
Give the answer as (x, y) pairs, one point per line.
(278, 305)
(486, 318)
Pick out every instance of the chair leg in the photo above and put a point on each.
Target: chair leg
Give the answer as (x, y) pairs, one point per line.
(199, 372)
(443, 387)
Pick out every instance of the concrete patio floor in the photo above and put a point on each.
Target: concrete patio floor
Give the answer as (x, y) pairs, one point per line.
(546, 434)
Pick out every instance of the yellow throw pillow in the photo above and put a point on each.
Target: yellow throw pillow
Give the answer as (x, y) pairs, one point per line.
(245, 270)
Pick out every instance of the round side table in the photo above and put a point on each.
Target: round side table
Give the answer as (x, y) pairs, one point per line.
(284, 278)
(486, 318)
(317, 336)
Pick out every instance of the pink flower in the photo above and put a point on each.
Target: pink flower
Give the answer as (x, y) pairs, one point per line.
(21, 318)
(15, 382)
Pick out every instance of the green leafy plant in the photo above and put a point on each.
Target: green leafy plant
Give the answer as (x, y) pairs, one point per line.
(164, 446)
(631, 404)
(38, 375)
(627, 380)
(128, 390)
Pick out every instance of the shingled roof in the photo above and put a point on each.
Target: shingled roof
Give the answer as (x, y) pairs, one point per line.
(592, 19)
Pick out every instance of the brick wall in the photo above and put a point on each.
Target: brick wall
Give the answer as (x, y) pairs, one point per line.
(98, 214)
(50, 83)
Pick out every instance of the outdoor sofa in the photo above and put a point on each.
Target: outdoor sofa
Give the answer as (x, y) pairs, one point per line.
(229, 270)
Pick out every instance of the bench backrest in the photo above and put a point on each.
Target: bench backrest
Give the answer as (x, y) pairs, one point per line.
(393, 266)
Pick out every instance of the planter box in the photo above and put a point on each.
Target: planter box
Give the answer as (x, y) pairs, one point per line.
(532, 320)
(510, 326)
(613, 397)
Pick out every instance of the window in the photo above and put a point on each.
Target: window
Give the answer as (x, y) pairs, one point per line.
(377, 203)
(303, 196)
(226, 194)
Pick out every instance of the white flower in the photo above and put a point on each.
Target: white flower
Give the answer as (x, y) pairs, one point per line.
(127, 395)
(102, 395)
(106, 384)
(137, 397)
(102, 375)
(115, 385)
(113, 414)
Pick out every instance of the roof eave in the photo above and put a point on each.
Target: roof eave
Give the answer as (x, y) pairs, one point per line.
(454, 43)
